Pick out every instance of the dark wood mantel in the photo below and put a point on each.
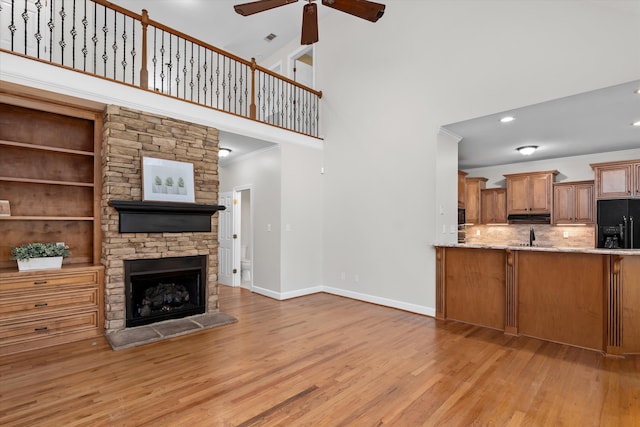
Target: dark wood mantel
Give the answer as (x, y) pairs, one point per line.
(163, 217)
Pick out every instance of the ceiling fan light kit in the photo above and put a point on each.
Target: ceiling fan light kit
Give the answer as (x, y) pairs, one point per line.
(364, 9)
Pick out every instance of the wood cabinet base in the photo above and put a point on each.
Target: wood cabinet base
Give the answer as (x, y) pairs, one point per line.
(581, 299)
(45, 308)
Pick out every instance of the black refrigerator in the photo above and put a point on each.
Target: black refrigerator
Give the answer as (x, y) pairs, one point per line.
(619, 224)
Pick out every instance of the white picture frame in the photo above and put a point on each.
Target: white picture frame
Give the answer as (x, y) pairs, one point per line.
(167, 181)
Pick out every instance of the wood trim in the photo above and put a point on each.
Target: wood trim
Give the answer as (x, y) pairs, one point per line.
(97, 189)
(440, 286)
(553, 172)
(511, 291)
(614, 327)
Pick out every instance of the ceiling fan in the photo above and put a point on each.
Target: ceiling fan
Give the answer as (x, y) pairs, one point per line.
(361, 8)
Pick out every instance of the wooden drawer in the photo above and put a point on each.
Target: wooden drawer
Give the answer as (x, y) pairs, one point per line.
(47, 327)
(29, 304)
(45, 279)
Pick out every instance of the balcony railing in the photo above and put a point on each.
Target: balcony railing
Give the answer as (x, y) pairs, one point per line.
(105, 40)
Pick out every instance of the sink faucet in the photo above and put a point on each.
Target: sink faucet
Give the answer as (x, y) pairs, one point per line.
(532, 236)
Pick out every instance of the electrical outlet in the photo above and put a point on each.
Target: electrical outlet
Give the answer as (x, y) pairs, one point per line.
(444, 229)
(268, 227)
(565, 234)
(477, 232)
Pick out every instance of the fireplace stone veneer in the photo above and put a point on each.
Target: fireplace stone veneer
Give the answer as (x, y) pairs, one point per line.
(128, 135)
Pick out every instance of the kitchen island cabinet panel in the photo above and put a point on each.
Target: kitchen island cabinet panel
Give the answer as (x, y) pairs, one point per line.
(475, 290)
(560, 297)
(630, 269)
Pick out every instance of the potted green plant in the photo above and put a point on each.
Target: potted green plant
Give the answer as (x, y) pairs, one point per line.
(40, 256)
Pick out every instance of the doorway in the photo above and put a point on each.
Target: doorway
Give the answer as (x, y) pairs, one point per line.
(301, 66)
(235, 238)
(244, 214)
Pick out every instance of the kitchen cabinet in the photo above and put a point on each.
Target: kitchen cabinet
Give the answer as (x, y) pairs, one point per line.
(43, 308)
(472, 201)
(617, 180)
(573, 202)
(530, 193)
(493, 202)
(461, 188)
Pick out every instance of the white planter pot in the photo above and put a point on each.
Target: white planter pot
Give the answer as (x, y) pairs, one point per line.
(44, 263)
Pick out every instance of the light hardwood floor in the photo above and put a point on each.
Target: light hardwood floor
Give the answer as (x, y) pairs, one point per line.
(321, 360)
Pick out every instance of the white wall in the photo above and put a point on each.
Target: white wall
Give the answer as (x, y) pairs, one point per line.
(302, 202)
(388, 87)
(570, 168)
(262, 171)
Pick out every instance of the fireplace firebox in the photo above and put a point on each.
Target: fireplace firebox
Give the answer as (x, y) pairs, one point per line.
(164, 288)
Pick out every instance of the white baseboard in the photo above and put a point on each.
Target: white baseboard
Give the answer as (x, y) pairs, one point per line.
(412, 308)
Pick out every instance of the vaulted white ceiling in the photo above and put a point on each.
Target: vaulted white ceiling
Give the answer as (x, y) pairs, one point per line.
(597, 121)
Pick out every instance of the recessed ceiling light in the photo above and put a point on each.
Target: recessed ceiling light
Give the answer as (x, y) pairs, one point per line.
(507, 119)
(224, 152)
(527, 150)
(637, 91)
(636, 123)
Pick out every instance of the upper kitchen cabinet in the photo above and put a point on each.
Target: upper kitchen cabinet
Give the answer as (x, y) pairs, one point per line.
(617, 180)
(472, 201)
(493, 202)
(461, 188)
(573, 203)
(530, 193)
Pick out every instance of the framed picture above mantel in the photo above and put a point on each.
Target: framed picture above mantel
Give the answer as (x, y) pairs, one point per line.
(167, 180)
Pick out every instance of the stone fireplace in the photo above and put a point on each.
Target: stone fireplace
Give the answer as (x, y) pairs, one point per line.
(129, 135)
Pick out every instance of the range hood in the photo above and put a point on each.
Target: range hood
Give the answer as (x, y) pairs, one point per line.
(529, 219)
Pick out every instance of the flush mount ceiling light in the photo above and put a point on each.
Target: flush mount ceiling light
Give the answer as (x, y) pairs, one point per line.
(507, 119)
(224, 152)
(527, 150)
(637, 124)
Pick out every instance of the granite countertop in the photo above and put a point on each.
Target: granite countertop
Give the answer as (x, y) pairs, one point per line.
(585, 250)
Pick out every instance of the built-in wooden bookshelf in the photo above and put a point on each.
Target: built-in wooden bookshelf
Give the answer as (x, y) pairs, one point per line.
(50, 174)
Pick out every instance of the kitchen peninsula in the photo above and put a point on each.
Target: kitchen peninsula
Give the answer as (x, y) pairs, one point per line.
(588, 298)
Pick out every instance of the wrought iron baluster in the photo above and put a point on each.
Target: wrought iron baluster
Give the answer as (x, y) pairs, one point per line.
(74, 33)
(51, 26)
(229, 87)
(25, 18)
(177, 65)
(155, 58)
(12, 26)
(218, 80)
(198, 75)
(191, 62)
(162, 65)
(184, 72)
(85, 51)
(105, 31)
(114, 46)
(95, 39)
(124, 48)
(38, 34)
(62, 43)
(133, 52)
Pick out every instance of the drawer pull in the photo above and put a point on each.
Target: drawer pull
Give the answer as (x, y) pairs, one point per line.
(44, 328)
(42, 304)
(42, 282)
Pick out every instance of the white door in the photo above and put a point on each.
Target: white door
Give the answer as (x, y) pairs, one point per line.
(226, 240)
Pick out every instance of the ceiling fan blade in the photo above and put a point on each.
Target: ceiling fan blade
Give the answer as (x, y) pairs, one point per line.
(309, 24)
(364, 9)
(250, 8)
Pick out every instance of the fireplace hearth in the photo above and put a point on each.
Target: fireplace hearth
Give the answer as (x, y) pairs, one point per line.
(164, 288)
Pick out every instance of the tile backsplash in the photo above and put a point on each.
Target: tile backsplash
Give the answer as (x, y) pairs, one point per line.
(582, 236)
